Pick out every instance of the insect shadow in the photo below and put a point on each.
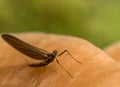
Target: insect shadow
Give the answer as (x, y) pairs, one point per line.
(35, 52)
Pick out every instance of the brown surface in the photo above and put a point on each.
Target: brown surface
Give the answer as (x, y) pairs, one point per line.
(114, 51)
(97, 68)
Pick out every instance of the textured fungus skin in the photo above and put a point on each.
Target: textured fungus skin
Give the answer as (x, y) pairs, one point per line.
(97, 69)
(114, 51)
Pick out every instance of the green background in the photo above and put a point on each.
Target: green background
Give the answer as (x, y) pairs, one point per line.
(95, 20)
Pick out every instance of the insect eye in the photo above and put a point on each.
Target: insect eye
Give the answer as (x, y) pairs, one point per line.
(49, 54)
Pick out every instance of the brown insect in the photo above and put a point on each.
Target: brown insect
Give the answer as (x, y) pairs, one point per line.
(35, 52)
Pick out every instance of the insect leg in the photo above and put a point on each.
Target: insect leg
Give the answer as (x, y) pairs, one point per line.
(66, 51)
(38, 64)
(41, 64)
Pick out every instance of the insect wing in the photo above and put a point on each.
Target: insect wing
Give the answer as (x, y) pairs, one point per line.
(25, 48)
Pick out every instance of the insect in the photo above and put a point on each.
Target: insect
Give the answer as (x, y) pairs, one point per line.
(35, 52)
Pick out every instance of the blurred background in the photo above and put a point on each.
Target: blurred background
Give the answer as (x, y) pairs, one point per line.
(98, 21)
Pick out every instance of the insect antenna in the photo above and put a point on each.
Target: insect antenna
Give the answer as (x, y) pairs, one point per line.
(66, 51)
(64, 69)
